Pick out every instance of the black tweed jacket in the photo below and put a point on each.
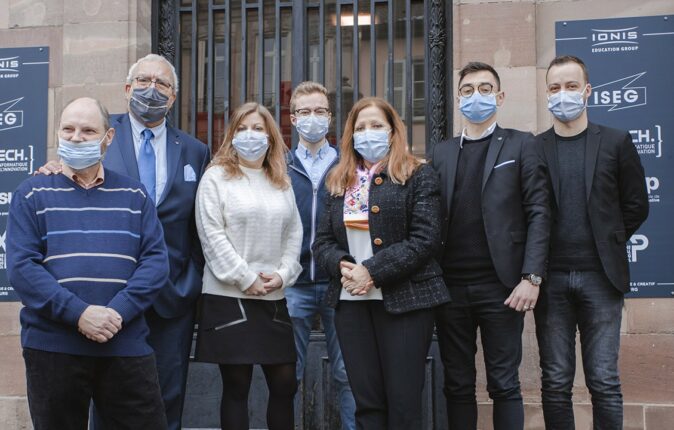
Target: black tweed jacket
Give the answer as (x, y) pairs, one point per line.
(405, 232)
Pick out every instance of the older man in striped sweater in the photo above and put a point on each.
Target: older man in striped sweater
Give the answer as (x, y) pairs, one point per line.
(87, 257)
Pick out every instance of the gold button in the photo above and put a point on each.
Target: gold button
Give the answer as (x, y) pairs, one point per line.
(374, 209)
(378, 180)
(378, 241)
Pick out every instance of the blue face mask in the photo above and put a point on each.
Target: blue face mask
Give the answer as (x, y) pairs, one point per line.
(80, 155)
(478, 108)
(372, 145)
(312, 128)
(566, 105)
(250, 145)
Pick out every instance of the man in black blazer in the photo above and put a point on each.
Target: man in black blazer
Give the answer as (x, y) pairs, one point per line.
(600, 200)
(496, 226)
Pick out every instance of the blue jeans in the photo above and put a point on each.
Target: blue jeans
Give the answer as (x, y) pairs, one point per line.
(589, 301)
(304, 302)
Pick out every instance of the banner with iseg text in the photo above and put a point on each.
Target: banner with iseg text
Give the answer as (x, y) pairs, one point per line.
(631, 67)
(24, 82)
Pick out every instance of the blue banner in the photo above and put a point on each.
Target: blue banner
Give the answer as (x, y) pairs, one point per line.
(24, 82)
(631, 66)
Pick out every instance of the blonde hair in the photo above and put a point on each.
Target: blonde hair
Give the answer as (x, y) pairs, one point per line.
(274, 163)
(304, 89)
(399, 163)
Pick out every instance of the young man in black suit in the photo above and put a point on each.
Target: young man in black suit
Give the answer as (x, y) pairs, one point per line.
(599, 201)
(496, 227)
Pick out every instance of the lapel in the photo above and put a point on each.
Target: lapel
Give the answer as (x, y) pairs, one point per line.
(591, 152)
(551, 156)
(124, 140)
(337, 212)
(295, 163)
(495, 145)
(451, 164)
(173, 152)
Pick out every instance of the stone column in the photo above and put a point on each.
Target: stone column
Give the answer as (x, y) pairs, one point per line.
(91, 44)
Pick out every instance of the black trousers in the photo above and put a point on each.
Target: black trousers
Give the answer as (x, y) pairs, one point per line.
(473, 307)
(125, 391)
(384, 355)
(171, 340)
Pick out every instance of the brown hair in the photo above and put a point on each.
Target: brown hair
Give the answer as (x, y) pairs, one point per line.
(303, 89)
(565, 59)
(399, 163)
(274, 163)
(476, 66)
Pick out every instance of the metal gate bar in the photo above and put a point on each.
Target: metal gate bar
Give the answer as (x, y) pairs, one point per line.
(168, 35)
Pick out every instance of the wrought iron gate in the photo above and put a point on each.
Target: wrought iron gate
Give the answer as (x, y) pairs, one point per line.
(227, 52)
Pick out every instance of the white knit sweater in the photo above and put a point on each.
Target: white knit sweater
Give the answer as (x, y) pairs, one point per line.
(246, 226)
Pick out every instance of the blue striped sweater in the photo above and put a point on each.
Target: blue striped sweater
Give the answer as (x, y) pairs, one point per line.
(68, 248)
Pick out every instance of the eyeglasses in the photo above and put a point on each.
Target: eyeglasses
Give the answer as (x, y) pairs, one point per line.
(318, 112)
(144, 82)
(484, 88)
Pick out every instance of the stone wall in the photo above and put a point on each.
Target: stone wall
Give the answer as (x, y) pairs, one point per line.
(93, 42)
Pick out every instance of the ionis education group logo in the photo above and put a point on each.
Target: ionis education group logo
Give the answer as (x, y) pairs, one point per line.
(9, 67)
(615, 40)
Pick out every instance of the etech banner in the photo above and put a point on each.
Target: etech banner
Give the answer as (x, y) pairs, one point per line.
(24, 82)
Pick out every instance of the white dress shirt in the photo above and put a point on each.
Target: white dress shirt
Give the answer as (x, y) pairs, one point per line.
(486, 133)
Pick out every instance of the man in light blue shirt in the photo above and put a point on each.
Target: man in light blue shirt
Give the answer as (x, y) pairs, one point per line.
(308, 167)
(316, 161)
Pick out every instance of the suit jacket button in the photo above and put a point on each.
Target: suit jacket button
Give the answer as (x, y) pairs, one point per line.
(378, 241)
(378, 180)
(374, 209)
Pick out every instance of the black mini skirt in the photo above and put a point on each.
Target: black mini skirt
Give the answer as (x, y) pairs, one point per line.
(244, 331)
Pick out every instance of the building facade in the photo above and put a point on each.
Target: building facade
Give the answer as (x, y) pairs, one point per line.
(231, 51)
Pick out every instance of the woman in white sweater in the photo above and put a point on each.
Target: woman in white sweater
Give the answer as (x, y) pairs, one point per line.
(251, 234)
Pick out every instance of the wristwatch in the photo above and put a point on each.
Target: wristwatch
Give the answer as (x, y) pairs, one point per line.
(535, 279)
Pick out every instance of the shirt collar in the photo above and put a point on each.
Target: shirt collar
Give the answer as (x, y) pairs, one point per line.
(98, 180)
(486, 133)
(138, 127)
(303, 152)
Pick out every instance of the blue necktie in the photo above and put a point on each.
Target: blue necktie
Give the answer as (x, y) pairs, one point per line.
(147, 167)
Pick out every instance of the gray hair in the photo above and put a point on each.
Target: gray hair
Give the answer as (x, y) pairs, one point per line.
(153, 57)
(105, 116)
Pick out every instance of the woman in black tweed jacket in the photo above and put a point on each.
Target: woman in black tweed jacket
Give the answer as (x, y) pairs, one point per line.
(377, 239)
